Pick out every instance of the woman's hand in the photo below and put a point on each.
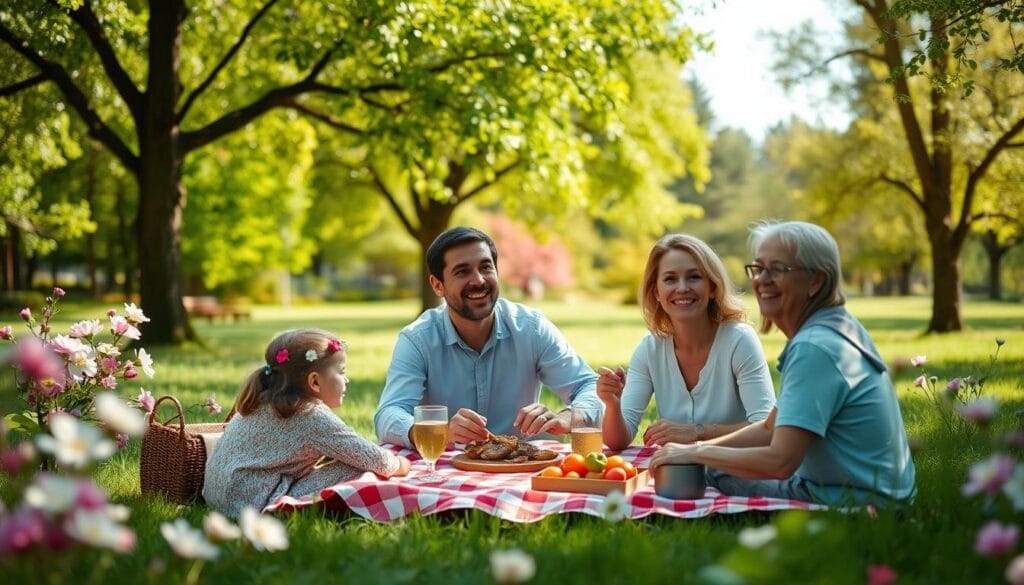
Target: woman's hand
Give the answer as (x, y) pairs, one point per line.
(674, 453)
(610, 384)
(666, 431)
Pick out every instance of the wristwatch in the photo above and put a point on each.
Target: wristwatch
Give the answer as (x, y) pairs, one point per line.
(699, 429)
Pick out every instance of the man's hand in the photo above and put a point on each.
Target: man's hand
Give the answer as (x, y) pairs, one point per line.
(666, 431)
(467, 426)
(536, 418)
(610, 384)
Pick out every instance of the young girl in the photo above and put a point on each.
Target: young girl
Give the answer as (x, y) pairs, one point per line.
(284, 425)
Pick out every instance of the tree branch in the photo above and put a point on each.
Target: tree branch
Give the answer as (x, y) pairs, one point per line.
(86, 19)
(391, 200)
(14, 88)
(224, 60)
(979, 172)
(497, 177)
(324, 117)
(98, 129)
(274, 98)
(903, 186)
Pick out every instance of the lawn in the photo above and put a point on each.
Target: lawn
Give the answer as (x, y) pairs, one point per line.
(929, 543)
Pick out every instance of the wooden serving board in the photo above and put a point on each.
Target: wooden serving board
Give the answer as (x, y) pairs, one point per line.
(590, 486)
(461, 461)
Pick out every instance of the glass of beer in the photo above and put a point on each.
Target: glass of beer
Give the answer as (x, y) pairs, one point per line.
(430, 433)
(585, 430)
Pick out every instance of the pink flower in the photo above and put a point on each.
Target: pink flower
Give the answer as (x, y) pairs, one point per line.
(282, 356)
(881, 575)
(122, 440)
(21, 530)
(26, 314)
(11, 460)
(211, 403)
(130, 372)
(994, 539)
(980, 411)
(334, 345)
(920, 381)
(953, 385)
(58, 292)
(918, 360)
(989, 475)
(121, 326)
(146, 400)
(5, 332)
(67, 345)
(111, 313)
(109, 364)
(85, 328)
(109, 382)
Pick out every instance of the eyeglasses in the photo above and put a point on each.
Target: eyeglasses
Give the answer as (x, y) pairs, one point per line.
(772, 272)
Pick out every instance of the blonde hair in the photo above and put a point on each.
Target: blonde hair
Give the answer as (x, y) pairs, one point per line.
(723, 306)
(283, 384)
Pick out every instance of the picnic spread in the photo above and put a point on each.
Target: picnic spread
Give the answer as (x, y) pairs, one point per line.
(509, 496)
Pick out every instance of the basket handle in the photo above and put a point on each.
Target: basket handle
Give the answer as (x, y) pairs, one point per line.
(180, 416)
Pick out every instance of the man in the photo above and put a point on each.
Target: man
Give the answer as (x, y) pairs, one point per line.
(482, 356)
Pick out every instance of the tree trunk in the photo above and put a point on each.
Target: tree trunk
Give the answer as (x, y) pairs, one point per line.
(995, 253)
(433, 221)
(161, 193)
(12, 258)
(946, 289)
(906, 273)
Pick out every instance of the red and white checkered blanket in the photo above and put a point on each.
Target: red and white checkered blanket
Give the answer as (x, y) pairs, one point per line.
(508, 495)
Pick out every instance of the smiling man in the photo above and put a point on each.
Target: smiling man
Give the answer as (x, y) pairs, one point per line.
(482, 356)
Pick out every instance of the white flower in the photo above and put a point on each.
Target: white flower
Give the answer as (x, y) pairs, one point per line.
(979, 411)
(187, 542)
(135, 314)
(120, 326)
(512, 566)
(67, 345)
(108, 349)
(117, 512)
(81, 364)
(74, 443)
(311, 355)
(96, 528)
(614, 507)
(218, 527)
(264, 532)
(52, 493)
(85, 328)
(145, 362)
(1014, 487)
(117, 415)
(757, 537)
(1015, 571)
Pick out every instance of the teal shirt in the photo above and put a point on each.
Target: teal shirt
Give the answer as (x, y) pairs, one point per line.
(835, 386)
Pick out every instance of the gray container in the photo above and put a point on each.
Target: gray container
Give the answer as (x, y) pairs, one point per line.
(680, 481)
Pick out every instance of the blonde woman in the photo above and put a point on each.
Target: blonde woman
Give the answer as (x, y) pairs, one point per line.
(701, 360)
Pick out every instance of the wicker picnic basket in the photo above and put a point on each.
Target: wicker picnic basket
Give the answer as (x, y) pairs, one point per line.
(173, 460)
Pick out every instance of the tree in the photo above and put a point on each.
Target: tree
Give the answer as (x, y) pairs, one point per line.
(948, 146)
(120, 67)
(542, 108)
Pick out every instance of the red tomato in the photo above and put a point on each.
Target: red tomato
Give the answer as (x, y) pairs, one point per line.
(575, 462)
(552, 471)
(630, 469)
(615, 461)
(615, 474)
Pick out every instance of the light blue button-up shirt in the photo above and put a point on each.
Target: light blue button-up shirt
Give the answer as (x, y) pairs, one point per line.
(431, 364)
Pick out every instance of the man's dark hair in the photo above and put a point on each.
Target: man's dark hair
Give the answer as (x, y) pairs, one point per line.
(456, 236)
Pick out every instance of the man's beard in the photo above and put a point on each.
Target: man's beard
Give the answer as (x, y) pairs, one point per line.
(465, 311)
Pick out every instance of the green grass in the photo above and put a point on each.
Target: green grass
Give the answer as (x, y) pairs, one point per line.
(932, 542)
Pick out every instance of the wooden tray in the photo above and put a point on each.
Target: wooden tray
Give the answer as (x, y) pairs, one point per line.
(590, 486)
(464, 463)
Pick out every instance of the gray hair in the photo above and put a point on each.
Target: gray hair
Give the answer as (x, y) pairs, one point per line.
(815, 249)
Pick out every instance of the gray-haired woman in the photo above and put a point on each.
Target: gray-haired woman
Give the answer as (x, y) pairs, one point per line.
(836, 435)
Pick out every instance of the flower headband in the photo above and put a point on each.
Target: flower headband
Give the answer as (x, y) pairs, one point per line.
(311, 355)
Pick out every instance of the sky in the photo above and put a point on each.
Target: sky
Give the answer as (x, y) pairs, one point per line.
(738, 76)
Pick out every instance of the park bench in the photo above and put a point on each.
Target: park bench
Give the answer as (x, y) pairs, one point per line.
(210, 308)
